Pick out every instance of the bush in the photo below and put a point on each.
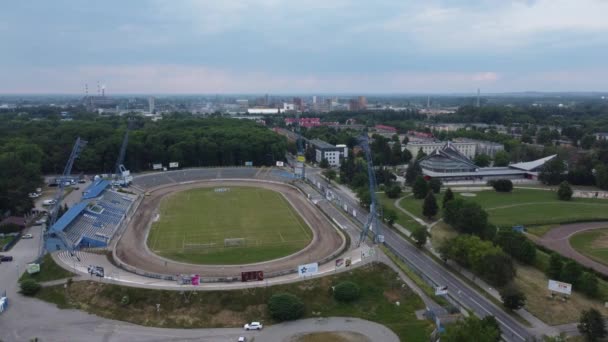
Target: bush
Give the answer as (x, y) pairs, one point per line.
(588, 284)
(285, 307)
(435, 185)
(9, 228)
(502, 185)
(393, 191)
(564, 193)
(420, 188)
(30, 287)
(346, 291)
(512, 297)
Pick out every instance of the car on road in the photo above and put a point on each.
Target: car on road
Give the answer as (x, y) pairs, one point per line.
(34, 195)
(253, 326)
(81, 181)
(4, 258)
(49, 202)
(27, 236)
(41, 221)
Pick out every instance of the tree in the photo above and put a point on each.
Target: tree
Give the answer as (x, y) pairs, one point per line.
(346, 291)
(564, 193)
(592, 325)
(471, 329)
(467, 217)
(393, 191)
(502, 185)
(364, 197)
(324, 164)
(285, 307)
(310, 154)
(587, 141)
(497, 268)
(571, 272)
(396, 155)
(330, 174)
(516, 245)
(413, 171)
(482, 160)
(556, 264)
(420, 188)
(429, 206)
(389, 216)
(553, 171)
(29, 287)
(601, 176)
(420, 236)
(448, 196)
(512, 297)
(420, 155)
(435, 185)
(588, 284)
(501, 158)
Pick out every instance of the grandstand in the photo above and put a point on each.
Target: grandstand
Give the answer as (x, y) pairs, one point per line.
(92, 222)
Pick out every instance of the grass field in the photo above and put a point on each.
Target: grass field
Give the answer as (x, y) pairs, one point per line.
(402, 218)
(380, 288)
(592, 243)
(526, 206)
(194, 223)
(49, 270)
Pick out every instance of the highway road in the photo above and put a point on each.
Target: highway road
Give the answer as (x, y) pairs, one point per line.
(458, 290)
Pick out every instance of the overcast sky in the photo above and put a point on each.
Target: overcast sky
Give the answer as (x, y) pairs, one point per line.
(309, 46)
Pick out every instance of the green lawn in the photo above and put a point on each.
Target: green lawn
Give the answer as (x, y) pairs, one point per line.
(402, 218)
(526, 206)
(49, 270)
(592, 243)
(379, 286)
(4, 241)
(194, 223)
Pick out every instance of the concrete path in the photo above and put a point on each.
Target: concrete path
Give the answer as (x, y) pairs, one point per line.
(416, 218)
(558, 239)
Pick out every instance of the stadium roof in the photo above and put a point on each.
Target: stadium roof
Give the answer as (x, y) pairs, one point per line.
(531, 165)
(68, 217)
(95, 189)
(489, 171)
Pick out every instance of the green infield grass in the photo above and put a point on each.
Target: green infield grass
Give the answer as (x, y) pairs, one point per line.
(235, 225)
(592, 243)
(525, 206)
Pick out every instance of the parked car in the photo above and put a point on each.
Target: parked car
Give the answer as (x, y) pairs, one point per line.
(253, 326)
(49, 202)
(242, 339)
(41, 221)
(27, 236)
(4, 258)
(82, 181)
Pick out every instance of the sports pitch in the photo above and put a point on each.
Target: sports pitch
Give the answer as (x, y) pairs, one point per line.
(592, 243)
(194, 224)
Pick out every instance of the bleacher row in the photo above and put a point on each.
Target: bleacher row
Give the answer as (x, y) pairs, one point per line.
(96, 229)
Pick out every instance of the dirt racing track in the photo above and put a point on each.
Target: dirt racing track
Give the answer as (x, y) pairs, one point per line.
(131, 248)
(558, 239)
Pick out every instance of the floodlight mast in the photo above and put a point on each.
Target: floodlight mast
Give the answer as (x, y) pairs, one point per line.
(372, 223)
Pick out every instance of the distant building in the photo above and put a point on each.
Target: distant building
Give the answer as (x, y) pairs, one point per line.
(359, 103)
(151, 101)
(263, 111)
(385, 129)
(362, 101)
(601, 136)
(304, 122)
(243, 105)
(468, 149)
(298, 103)
(483, 147)
(333, 154)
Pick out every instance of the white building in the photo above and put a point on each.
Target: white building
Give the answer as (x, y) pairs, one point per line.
(243, 105)
(263, 111)
(333, 154)
(469, 149)
(151, 104)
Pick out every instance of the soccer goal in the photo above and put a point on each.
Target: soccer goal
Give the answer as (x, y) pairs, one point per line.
(234, 242)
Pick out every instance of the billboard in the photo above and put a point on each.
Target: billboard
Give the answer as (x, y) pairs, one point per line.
(196, 279)
(33, 268)
(157, 166)
(173, 165)
(558, 286)
(252, 276)
(248, 163)
(301, 159)
(280, 164)
(308, 269)
(441, 290)
(339, 263)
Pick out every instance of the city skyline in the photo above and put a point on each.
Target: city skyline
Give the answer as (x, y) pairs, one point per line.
(269, 46)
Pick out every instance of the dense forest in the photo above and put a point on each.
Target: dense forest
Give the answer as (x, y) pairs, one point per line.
(30, 148)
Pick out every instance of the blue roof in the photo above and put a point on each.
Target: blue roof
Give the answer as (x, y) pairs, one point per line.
(95, 189)
(68, 217)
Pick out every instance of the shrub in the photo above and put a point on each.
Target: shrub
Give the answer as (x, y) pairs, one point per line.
(588, 284)
(435, 185)
(420, 188)
(502, 185)
(346, 291)
(285, 307)
(393, 191)
(9, 228)
(564, 193)
(125, 300)
(512, 297)
(29, 287)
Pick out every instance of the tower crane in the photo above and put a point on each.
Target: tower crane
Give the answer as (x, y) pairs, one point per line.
(372, 219)
(122, 176)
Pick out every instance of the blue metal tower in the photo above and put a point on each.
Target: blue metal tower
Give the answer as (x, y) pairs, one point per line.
(372, 220)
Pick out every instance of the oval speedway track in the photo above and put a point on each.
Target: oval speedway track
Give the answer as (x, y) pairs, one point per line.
(132, 248)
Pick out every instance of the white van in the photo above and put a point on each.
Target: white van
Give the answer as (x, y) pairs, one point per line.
(49, 202)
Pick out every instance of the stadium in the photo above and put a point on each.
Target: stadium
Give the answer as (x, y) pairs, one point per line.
(215, 222)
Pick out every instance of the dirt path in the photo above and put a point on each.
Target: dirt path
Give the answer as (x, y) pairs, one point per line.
(133, 250)
(558, 239)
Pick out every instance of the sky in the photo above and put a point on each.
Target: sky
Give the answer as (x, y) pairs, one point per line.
(305, 46)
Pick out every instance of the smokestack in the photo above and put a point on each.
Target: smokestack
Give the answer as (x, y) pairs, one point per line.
(478, 102)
